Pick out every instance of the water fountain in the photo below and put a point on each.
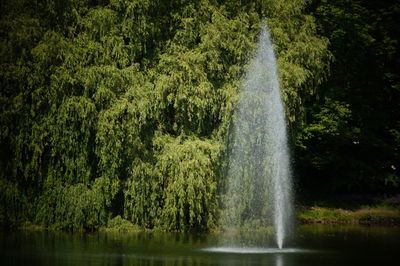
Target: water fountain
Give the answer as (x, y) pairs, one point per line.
(258, 182)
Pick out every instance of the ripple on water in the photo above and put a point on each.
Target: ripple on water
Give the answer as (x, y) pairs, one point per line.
(249, 250)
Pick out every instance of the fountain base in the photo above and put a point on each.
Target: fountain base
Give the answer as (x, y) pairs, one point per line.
(253, 250)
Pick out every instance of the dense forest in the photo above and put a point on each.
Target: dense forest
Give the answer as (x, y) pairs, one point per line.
(122, 108)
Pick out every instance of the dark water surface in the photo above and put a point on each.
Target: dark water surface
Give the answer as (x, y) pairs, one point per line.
(320, 245)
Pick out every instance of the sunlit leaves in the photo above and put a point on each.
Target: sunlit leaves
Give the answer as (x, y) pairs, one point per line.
(135, 98)
(178, 192)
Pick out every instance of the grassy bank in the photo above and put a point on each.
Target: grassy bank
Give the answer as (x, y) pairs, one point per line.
(386, 215)
(373, 215)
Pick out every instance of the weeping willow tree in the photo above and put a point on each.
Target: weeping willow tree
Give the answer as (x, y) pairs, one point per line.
(122, 107)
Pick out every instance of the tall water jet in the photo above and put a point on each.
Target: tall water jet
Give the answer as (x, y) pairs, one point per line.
(258, 183)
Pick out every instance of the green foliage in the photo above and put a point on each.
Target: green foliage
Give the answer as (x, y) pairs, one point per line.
(331, 119)
(330, 125)
(349, 143)
(303, 59)
(14, 204)
(120, 225)
(328, 215)
(122, 107)
(76, 207)
(187, 169)
(319, 214)
(181, 185)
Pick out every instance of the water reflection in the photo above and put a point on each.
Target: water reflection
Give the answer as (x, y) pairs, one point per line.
(314, 245)
(279, 260)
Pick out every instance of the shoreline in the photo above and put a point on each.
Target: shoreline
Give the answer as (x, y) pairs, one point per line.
(370, 216)
(363, 216)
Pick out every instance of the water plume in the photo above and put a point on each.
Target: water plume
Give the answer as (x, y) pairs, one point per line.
(258, 181)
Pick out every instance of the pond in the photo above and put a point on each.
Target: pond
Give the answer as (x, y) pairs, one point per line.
(311, 245)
